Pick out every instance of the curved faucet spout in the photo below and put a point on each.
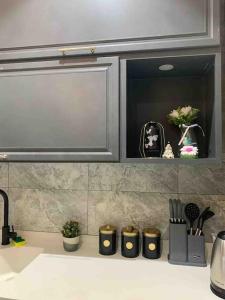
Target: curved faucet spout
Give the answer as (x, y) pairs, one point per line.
(6, 233)
(6, 207)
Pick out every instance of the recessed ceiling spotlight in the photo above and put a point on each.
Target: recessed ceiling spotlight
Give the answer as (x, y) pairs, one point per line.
(166, 67)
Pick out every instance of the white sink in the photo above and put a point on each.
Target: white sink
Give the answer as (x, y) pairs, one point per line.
(13, 260)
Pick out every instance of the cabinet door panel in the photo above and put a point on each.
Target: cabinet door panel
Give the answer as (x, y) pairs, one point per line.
(60, 109)
(113, 24)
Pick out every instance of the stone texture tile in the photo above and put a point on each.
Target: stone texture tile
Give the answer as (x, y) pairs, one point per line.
(4, 175)
(49, 175)
(127, 208)
(131, 177)
(47, 210)
(202, 180)
(217, 205)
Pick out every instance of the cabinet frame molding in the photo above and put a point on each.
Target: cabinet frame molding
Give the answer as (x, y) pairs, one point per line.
(108, 153)
(209, 37)
(217, 114)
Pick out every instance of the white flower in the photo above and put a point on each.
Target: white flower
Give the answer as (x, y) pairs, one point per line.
(174, 114)
(186, 110)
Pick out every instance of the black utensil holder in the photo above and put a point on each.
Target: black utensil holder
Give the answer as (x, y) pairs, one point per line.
(185, 249)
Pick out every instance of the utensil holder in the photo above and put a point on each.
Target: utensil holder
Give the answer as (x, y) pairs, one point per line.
(196, 250)
(185, 249)
(177, 243)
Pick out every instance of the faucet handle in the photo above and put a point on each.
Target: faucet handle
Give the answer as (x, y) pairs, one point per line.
(12, 234)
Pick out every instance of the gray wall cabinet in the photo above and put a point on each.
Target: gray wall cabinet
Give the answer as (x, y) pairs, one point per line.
(59, 84)
(37, 28)
(60, 110)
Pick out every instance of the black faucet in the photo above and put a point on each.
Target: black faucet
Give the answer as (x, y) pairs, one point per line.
(6, 233)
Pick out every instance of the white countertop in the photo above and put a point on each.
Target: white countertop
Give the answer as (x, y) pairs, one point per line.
(85, 275)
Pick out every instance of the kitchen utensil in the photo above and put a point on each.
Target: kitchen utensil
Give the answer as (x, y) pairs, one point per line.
(171, 210)
(174, 201)
(179, 211)
(209, 214)
(200, 217)
(192, 213)
(176, 211)
(173, 204)
(177, 243)
(184, 248)
(218, 266)
(183, 213)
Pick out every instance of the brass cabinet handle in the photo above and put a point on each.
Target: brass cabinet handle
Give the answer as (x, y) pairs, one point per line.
(64, 50)
(3, 156)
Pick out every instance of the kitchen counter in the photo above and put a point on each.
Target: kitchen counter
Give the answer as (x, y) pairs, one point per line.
(85, 274)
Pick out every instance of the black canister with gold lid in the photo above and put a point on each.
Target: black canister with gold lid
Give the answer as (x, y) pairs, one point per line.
(130, 242)
(151, 243)
(107, 240)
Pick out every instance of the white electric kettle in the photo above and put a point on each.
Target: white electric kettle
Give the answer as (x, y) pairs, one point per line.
(218, 266)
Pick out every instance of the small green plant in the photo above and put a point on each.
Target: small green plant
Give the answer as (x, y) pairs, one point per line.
(71, 229)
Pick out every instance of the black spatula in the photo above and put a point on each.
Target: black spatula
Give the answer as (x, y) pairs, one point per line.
(209, 214)
(192, 213)
(200, 219)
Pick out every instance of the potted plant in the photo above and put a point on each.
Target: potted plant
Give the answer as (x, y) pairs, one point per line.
(71, 235)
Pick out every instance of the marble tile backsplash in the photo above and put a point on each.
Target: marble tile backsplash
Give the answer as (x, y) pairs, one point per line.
(133, 178)
(44, 195)
(123, 208)
(49, 176)
(47, 210)
(202, 180)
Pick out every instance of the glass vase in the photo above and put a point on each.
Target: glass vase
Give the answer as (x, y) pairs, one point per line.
(188, 145)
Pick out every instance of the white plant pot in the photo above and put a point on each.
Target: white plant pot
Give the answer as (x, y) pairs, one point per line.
(71, 244)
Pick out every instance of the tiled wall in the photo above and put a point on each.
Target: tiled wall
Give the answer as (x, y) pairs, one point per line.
(44, 195)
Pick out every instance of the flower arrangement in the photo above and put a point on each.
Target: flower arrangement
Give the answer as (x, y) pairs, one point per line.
(183, 115)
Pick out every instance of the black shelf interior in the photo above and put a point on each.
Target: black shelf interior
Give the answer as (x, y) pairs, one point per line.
(152, 94)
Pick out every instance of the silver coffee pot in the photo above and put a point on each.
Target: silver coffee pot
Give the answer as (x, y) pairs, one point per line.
(218, 266)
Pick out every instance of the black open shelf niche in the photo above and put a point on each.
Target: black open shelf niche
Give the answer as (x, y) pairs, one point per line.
(151, 94)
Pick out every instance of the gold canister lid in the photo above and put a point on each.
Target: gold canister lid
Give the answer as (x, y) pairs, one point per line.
(130, 231)
(151, 232)
(107, 229)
